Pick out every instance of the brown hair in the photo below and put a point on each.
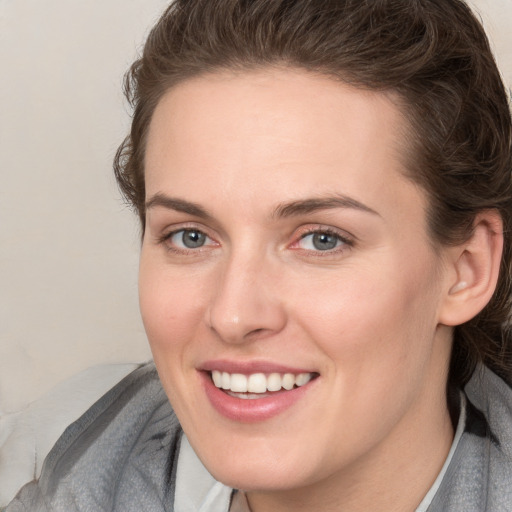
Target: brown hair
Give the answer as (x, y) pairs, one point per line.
(432, 53)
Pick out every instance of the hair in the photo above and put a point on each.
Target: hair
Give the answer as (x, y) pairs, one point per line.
(432, 54)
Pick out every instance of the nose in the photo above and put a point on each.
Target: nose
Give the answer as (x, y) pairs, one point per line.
(246, 304)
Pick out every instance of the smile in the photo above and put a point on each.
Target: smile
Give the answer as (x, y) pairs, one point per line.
(257, 385)
(249, 395)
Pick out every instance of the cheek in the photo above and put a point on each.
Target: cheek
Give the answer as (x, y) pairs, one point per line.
(377, 330)
(172, 303)
(364, 317)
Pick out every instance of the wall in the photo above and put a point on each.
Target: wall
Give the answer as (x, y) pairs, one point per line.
(69, 247)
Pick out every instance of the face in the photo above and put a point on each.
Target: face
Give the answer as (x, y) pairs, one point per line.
(286, 259)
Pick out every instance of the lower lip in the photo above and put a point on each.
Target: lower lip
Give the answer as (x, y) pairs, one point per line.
(251, 410)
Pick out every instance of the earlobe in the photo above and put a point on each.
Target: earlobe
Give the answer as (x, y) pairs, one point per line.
(476, 265)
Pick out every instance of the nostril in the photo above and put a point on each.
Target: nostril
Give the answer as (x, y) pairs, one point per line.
(257, 333)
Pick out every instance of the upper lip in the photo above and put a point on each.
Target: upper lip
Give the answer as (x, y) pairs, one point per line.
(250, 367)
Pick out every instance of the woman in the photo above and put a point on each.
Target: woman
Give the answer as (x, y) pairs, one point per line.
(325, 196)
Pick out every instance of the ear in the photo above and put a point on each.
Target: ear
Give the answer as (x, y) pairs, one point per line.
(474, 266)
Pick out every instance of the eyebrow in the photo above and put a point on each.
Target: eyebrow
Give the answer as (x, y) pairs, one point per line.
(290, 209)
(311, 205)
(179, 205)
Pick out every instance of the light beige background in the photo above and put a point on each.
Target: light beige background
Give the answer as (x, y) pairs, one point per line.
(68, 246)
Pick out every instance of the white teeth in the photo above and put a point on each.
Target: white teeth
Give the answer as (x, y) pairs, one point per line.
(288, 381)
(238, 383)
(258, 382)
(226, 380)
(217, 379)
(274, 382)
(302, 378)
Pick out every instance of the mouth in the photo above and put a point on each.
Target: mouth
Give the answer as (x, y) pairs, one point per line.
(255, 391)
(258, 385)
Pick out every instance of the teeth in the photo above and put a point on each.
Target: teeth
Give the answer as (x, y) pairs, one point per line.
(217, 379)
(302, 378)
(238, 383)
(274, 382)
(258, 382)
(288, 381)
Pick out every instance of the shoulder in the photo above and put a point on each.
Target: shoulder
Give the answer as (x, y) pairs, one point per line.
(489, 416)
(478, 478)
(124, 445)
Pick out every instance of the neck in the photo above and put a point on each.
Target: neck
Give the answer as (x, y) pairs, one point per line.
(393, 477)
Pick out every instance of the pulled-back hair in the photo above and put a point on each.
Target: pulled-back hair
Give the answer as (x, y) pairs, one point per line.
(435, 57)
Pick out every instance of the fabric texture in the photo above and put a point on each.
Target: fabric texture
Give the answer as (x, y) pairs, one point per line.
(119, 456)
(122, 455)
(28, 435)
(479, 477)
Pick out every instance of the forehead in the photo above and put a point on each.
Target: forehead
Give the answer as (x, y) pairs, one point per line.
(300, 104)
(282, 130)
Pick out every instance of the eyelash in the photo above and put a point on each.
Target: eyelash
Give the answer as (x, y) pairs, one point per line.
(343, 241)
(167, 237)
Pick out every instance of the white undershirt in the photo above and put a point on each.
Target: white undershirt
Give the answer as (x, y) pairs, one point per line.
(198, 491)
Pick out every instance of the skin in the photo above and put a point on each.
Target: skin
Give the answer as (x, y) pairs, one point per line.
(373, 430)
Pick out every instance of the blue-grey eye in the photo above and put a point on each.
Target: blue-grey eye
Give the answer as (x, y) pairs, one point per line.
(189, 239)
(320, 241)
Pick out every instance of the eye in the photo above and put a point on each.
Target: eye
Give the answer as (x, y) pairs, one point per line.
(188, 239)
(322, 241)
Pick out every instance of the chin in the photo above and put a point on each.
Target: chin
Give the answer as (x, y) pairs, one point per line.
(255, 478)
(260, 469)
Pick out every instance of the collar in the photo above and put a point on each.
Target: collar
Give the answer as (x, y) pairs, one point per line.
(196, 489)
